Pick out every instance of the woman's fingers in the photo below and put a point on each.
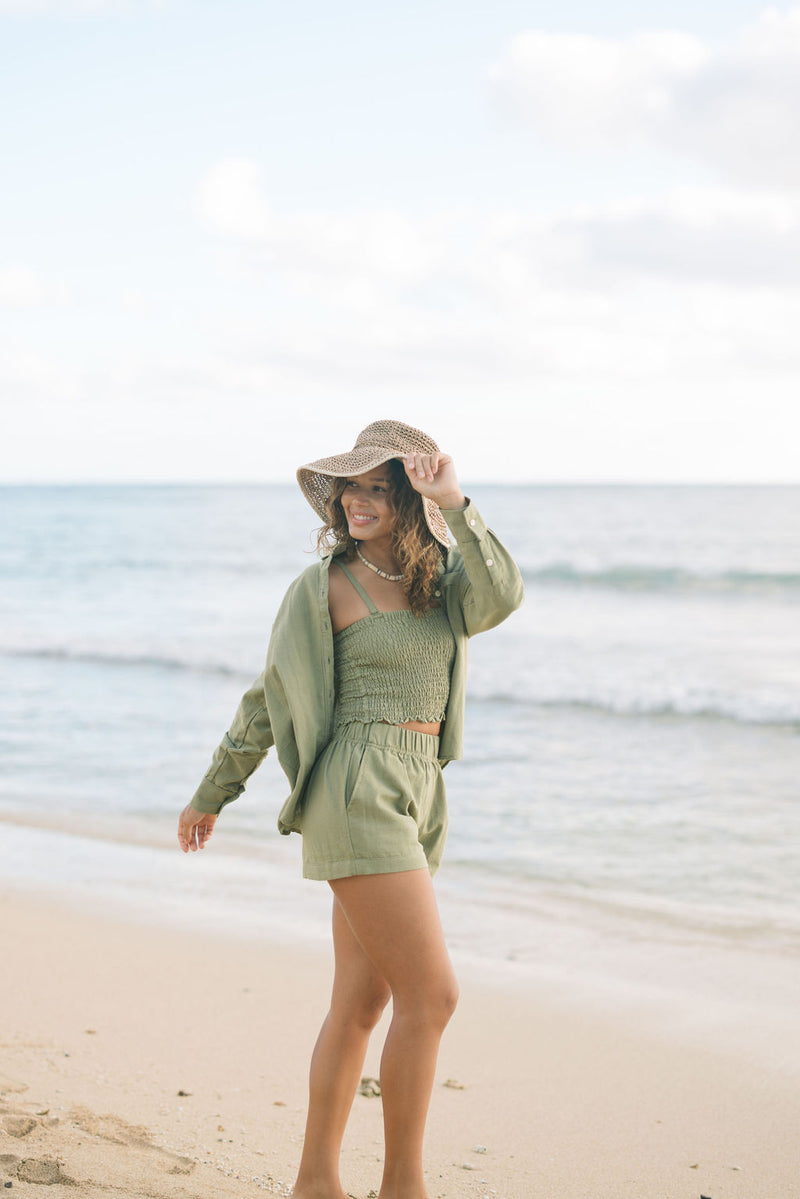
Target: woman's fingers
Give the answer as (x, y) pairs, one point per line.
(425, 466)
(194, 829)
(415, 465)
(187, 838)
(204, 832)
(434, 476)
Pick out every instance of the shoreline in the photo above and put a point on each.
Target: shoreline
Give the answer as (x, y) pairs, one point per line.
(107, 1018)
(734, 991)
(516, 933)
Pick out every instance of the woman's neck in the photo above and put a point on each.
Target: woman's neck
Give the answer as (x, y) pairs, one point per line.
(378, 556)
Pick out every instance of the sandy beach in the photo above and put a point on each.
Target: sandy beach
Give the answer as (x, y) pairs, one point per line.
(146, 1061)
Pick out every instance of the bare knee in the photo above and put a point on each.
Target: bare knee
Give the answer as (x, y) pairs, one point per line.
(448, 1000)
(432, 1006)
(372, 1006)
(365, 1010)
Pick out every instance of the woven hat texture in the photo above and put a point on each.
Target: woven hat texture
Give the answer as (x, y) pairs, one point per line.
(380, 441)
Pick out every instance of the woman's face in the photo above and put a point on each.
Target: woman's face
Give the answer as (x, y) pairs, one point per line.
(367, 507)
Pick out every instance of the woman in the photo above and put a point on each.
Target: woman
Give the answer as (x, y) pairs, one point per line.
(363, 697)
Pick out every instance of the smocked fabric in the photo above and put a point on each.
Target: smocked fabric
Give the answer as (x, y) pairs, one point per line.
(393, 666)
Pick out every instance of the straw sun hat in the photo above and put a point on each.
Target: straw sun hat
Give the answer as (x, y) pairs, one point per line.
(380, 441)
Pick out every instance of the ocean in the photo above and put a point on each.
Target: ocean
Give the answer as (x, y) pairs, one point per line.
(632, 740)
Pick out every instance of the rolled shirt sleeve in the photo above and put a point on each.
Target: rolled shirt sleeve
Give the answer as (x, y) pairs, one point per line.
(492, 589)
(241, 751)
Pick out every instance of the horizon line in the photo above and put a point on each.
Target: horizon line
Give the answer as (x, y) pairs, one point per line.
(697, 482)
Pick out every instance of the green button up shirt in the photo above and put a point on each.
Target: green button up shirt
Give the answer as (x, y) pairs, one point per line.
(290, 705)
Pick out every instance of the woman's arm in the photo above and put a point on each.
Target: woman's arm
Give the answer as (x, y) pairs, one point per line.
(241, 751)
(487, 577)
(490, 585)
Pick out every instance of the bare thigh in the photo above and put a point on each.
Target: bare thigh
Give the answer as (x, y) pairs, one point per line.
(395, 920)
(359, 988)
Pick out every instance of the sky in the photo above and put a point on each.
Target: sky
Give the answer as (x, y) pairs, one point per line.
(562, 238)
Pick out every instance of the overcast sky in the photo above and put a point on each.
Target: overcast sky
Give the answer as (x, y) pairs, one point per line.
(562, 237)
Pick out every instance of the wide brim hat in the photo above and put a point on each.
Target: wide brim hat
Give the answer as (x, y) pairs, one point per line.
(378, 443)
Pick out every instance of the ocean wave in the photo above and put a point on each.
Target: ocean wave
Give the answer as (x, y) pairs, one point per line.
(662, 578)
(278, 571)
(716, 913)
(120, 658)
(278, 574)
(740, 709)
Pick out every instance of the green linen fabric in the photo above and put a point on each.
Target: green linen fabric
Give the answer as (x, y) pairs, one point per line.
(291, 703)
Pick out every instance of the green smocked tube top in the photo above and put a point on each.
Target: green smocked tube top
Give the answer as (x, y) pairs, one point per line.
(392, 666)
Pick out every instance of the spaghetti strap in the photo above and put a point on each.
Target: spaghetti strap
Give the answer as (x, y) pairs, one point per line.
(373, 610)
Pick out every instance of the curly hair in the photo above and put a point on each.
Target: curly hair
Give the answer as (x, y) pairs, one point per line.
(418, 553)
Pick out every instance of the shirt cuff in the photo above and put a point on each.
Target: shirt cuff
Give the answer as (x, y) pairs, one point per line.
(466, 524)
(210, 799)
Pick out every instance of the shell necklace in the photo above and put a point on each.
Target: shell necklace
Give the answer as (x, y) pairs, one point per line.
(382, 573)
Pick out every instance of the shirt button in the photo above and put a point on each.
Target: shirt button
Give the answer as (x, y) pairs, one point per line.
(490, 561)
(472, 523)
(437, 593)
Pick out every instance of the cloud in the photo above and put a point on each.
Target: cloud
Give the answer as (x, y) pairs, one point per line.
(734, 106)
(594, 91)
(605, 379)
(22, 287)
(637, 314)
(229, 199)
(693, 287)
(636, 393)
(352, 248)
(707, 235)
(457, 258)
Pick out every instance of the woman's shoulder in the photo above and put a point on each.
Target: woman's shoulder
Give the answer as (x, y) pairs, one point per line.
(304, 598)
(313, 572)
(309, 580)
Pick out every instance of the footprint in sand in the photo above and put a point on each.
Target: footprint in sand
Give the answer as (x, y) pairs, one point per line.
(74, 1137)
(42, 1170)
(18, 1126)
(76, 1134)
(135, 1136)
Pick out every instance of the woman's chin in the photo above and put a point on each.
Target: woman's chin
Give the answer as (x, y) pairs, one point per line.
(361, 532)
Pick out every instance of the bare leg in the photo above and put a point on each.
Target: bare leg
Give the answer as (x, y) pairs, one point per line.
(359, 996)
(396, 921)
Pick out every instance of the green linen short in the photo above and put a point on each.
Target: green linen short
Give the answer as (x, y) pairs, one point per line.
(375, 803)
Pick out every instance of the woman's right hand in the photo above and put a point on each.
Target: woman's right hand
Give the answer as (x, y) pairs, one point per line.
(194, 828)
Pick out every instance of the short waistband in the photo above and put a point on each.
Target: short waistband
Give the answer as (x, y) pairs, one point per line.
(390, 736)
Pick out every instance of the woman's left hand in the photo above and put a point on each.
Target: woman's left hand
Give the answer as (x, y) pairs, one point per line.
(434, 476)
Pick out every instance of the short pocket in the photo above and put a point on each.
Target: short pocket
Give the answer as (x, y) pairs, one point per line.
(355, 769)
